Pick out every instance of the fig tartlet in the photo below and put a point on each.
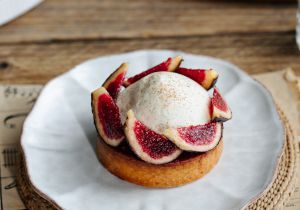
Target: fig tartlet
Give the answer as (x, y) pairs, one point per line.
(162, 129)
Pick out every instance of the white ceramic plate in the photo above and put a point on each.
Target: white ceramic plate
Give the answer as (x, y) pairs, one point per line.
(59, 142)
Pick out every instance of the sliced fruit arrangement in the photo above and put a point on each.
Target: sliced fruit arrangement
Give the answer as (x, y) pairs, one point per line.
(169, 65)
(107, 117)
(206, 78)
(114, 82)
(220, 111)
(147, 144)
(199, 138)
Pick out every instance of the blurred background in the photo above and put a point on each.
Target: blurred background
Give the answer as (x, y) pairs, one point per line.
(52, 37)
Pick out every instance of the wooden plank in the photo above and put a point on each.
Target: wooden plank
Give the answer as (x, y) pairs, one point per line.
(93, 19)
(37, 63)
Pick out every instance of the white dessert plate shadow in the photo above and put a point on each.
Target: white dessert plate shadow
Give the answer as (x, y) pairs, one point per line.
(59, 138)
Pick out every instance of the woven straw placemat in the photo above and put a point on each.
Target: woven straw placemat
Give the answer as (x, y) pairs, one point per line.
(32, 197)
(285, 178)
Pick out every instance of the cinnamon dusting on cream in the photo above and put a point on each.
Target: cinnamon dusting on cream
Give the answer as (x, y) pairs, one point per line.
(163, 99)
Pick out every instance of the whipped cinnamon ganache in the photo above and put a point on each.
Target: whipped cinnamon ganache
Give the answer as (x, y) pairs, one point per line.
(165, 99)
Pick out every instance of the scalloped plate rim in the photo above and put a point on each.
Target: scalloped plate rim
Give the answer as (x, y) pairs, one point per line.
(242, 75)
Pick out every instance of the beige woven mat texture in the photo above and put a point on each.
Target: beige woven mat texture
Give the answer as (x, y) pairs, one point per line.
(17, 100)
(284, 191)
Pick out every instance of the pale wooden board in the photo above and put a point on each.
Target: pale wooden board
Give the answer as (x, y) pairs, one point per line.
(94, 19)
(37, 63)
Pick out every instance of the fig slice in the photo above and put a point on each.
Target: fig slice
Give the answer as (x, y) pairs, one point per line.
(107, 117)
(147, 144)
(171, 64)
(206, 78)
(220, 111)
(114, 82)
(199, 138)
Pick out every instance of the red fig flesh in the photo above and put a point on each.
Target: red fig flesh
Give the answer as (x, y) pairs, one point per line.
(114, 82)
(206, 78)
(107, 117)
(220, 111)
(147, 144)
(199, 138)
(169, 65)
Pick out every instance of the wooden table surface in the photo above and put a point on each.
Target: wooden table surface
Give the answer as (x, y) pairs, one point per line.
(58, 34)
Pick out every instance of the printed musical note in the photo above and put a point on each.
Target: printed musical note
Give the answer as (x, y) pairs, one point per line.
(18, 91)
(10, 157)
(7, 120)
(11, 185)
(10, 91)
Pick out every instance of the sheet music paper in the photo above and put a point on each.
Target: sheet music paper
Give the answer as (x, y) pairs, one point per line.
(15, 103)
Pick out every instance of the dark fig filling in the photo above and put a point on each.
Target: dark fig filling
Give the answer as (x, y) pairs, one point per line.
(206, 78)
(109, 115)
(200, 134)
(195, 74)
(114, 82)
(218, 101)
(124, 148)
(115, 86)
(160, 67)
(152, 143)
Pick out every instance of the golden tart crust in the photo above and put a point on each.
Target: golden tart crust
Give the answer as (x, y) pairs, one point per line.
(179, 172)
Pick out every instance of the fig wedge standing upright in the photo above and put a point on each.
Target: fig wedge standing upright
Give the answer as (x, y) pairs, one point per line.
(206, 78)
(220, 111)
(114, 82)
(147, 144)
(107, 117)
(199, 138)
(169, 65)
